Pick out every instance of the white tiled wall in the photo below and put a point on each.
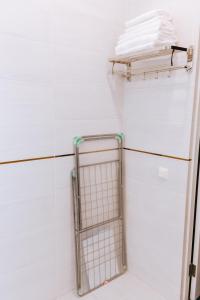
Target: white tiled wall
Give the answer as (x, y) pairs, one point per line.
(54, 85)
(54, 73)
(36, 236)
(156, 212)
(158, 112)
(158, 118)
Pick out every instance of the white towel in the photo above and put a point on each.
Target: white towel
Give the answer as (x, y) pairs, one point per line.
(155, 45)
(134, 35)
(148, 16)
(144, 39)
(153, 30)
(156, 22)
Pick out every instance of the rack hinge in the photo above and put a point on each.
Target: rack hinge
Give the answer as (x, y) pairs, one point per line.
(192, 270)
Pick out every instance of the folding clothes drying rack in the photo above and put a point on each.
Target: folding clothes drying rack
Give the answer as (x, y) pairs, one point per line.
(98, 212)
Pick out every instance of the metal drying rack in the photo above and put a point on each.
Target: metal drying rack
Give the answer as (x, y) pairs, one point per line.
(129, 60)
(98, 213)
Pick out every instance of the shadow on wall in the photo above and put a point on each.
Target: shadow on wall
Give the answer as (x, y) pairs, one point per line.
(116, 84)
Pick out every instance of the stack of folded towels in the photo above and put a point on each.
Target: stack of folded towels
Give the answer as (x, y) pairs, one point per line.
(150, 31)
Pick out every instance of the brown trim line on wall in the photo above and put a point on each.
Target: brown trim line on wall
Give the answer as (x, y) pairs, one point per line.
(50, 157)
(33, 159)
(157, 154)
(96, 151)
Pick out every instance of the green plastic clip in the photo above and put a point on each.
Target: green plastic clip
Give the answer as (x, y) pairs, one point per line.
(78, 140)
(120, 136)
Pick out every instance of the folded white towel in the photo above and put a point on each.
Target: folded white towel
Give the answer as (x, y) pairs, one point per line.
(148, 16)
(144, 39)
(150, 31)
(156, 22)
(155, 45)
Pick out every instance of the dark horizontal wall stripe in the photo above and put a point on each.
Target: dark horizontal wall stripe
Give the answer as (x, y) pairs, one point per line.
(33, 159)
(157, 154)
(96, 151)
(51, 157)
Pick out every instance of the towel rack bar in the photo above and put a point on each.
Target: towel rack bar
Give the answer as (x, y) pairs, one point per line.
(145, 72)
(129, 60)
(179, 48)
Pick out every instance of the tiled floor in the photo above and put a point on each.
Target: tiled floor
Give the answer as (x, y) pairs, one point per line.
(126, 287)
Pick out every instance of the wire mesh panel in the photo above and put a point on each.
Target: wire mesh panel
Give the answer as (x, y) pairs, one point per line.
(99, 222)
(99, 193)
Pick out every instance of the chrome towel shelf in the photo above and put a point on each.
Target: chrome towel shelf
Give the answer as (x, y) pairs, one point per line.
(130, 60)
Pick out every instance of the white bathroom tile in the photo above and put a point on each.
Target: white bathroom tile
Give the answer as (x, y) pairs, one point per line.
(37, 221)
(31, 19)
(26, 60)
(64, 224)
(83, 28)
(127, 287)
(45, 6)
(26, 145)
(63, 167)
(35, 73)
(26, 181)
(27, 198)
(99, 9)
(141, 167)
(65, 257)
(28, 250)
(66, 130)
(26, 216)
(63, 206)
(73, 296)
(159, 120)
(75, 101)
(81, 70)
(36, 281)
(156, 210)
(26, 120)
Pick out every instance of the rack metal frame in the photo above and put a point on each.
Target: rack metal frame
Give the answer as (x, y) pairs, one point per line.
(107, 232)
(129, 60)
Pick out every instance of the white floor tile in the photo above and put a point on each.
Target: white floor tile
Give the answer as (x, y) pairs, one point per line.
(126, 287)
